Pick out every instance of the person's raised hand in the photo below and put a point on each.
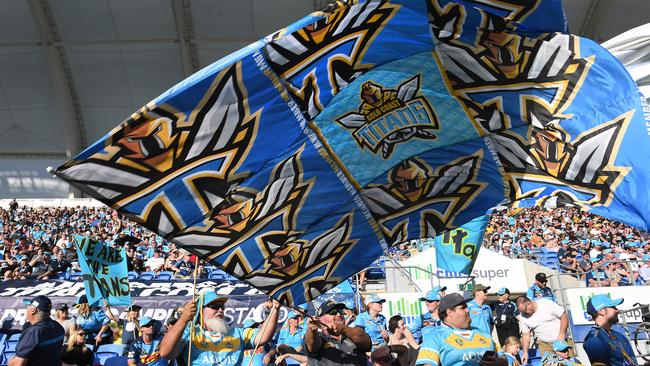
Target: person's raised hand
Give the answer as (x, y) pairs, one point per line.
(188, 312)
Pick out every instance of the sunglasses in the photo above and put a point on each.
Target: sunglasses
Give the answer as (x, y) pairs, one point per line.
(81, 334)
(431, 301)
(214, 306)
(335, 312)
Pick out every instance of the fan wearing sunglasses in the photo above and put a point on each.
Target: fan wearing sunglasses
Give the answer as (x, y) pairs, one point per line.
(213, 340)
(329, 341)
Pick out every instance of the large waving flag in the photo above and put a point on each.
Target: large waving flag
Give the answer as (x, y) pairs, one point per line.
(294, 162)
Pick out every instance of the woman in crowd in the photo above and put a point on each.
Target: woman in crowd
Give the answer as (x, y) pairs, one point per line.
(75, 351)
(94, 322)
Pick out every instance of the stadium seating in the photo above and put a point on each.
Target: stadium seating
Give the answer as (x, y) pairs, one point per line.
(133, 275)
(101, 357)
(115, 348)
(147, 276)
(117, 361)
(6, 356)
(165, 275)
(75, 276)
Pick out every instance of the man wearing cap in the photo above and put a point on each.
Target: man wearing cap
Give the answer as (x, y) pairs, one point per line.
(372, 322)
(479, 312)
(145, 350)
(506, 316)
(456, 342)
(604, 345)
(130, 326)
(430, 318)
(39, 344)
(539, 289)
(546, 318)
(290, 338)
(328, 341)
(212, 339)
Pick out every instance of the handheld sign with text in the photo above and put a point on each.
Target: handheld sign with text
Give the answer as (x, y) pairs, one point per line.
(104, 270)
(456, 250)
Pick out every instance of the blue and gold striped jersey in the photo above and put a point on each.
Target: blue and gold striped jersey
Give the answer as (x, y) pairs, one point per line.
(455, 347)
(209, 349)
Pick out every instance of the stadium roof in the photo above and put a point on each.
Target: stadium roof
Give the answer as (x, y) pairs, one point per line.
(71, 70)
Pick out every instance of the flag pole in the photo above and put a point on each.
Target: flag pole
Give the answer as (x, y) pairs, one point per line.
(189, 350)
(264, 326)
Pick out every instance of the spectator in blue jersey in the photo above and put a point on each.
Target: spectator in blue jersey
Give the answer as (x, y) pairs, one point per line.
(540, 290)
(372, 322)
(40, 344)
(211, 338)
(145, 350)
(506, 314)
(456, 342)
(430, 317)
(479, 311)
(350, 312)
(604, 345)
(254, 356)
(289, 340)
(94, 321)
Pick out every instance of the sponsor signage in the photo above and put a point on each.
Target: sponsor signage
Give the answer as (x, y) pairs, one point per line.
(490, 269)
(632, 295)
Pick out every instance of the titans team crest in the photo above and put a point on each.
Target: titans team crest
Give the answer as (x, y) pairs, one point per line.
(387, 117)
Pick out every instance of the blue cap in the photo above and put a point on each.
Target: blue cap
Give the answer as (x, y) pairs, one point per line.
(502, 291)
(439, 288)
(293, 314)
(432, 295)
(601, 301)
(374, 298)
(212, 296)
(145, 321)
(250, 323)
(304, 306)
(560, 346)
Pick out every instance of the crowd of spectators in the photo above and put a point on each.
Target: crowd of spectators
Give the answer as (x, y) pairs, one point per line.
(602, 252)
(38, 243)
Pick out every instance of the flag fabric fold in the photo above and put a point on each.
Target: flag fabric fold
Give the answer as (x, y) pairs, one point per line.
(294, 162)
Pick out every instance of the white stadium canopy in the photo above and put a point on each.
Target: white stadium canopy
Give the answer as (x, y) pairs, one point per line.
(71, 70)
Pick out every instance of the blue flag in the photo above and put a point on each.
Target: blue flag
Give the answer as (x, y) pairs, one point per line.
(296, 161)
(105, 272)
(457, 250)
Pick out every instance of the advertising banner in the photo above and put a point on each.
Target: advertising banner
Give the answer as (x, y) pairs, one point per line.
(158, 299)
(490, 269)
(632, 296)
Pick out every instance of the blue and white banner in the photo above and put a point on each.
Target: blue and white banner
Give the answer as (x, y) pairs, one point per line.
(457, 250)
(104, 271)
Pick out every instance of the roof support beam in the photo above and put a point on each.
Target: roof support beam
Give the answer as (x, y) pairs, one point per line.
(184, 30)
(61, 76)
(598, 10)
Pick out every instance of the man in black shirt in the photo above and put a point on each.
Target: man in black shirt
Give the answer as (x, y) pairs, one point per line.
(40, 344)
(328, 341)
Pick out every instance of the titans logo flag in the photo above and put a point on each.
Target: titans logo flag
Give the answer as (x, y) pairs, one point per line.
(296, 161)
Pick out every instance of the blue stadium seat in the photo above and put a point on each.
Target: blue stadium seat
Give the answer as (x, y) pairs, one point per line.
(133, 275)
(75, 276)
(101, 357)
(214, 275)
(117, 361)
(6, 356)
(10, 345)
(115, 348)
(165, 275)
(147, 276)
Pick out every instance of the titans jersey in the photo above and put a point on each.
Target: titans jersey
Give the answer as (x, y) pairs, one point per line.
(372, 327)
(455, 347)
(146, 354)
(610, 348)
(481, 316)
(210, 349)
